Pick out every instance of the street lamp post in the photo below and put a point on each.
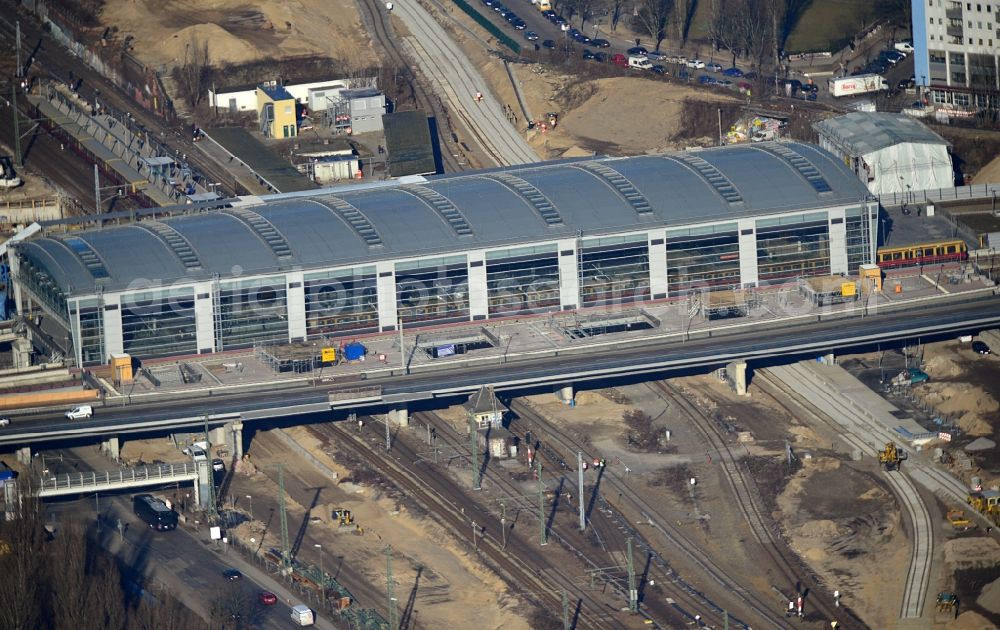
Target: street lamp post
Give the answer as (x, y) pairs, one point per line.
(250, 499)
(322, 573)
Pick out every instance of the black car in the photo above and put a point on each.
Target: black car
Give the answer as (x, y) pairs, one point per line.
(232, 575)
(600, 43)
(587, 55)
(658, 69)
(519, 24)
(551, 45)
(602, 57)
(637, 50)
(549, 14)
(980, 347)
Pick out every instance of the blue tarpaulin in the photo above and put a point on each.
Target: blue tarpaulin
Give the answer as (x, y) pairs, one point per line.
(354, 351)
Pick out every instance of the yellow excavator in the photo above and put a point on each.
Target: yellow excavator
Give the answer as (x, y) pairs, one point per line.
(947, 606)
(986, 503)
(890, 457)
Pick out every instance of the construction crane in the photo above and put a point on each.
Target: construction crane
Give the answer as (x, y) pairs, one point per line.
(890, 457)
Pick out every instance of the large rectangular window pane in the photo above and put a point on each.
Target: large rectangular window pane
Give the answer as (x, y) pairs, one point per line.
(614, 274)
(159, 325)
(523, 284)
(791, 250)
(91, 333)
(704, 261)
(433, 292)
(344, 303)
(859, 235)
(251, 311)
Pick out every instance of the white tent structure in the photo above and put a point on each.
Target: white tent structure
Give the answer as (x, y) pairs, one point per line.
(890, 153)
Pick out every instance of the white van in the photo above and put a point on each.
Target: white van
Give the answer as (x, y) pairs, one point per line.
(640, 62)
(302, 615)
(80, 412)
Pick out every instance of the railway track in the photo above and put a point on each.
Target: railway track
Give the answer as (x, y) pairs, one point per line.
(605, 536)
(528, 571)
(380, 28)
(676, 539)
(798, 578)
(868, 437)
(452, 74)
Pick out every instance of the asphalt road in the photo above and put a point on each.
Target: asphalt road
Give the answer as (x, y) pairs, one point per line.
(188, 564)
(792, 340)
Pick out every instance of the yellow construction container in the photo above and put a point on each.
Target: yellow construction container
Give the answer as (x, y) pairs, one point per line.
(121, 369)
(871, 277)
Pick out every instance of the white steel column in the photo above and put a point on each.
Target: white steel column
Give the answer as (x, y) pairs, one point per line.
(204, 317)
(113, 337)
(569, 274)
(386, 284)
(748, 252)
(478, 293)
(657, 265)
(838, 241)
(295, 302)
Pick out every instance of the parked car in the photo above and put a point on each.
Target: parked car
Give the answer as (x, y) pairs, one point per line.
(637, 50)
(530, 36)
(549, 14)
(549, 44)
(218, 465)
(905, 47)
(620, 60)
(684, 74)
(4, 421)
(519, 24)
(697, 64)
(600, 43)
(733, 72)
(713, 67)
(706, 80)
(232, 575)
(602, 57)
(656, 55)
(904, 84)
(658, 69)
(267, 598)
(980, 347)
(724, 82)
(587, 55)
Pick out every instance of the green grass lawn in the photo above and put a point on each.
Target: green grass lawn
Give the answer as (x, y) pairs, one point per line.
(825, 23)
(828, 23)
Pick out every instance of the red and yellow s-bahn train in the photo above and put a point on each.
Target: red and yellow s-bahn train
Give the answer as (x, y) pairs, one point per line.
(922, 254)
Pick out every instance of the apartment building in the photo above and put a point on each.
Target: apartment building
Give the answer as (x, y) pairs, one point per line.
(957, 51)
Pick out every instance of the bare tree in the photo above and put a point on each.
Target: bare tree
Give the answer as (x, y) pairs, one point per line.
(685, 16)
(723, 27)
(22, 565)
(615, 8)
(586, 9)
(192, 75)
(652, 18)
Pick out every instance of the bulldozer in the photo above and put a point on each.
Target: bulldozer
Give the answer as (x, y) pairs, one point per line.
(890, 457)
(343, 517)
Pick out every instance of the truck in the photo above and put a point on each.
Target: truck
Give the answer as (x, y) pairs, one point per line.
(302, 615)
(861, 84)
(154, 512)
(639, 62)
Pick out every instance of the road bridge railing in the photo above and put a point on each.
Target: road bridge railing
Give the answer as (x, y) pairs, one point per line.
(94, 481)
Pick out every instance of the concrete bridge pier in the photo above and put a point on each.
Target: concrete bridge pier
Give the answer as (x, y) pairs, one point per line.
(112, 447)
(566, 394)
(736, 373)
(400, 415)
(234, 430)
(24, 455)
(202, 495)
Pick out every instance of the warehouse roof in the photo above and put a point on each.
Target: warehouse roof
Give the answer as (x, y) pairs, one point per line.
(452, 213)
(862, 133)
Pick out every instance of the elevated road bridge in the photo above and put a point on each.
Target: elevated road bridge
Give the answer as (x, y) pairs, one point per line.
(804, 337)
